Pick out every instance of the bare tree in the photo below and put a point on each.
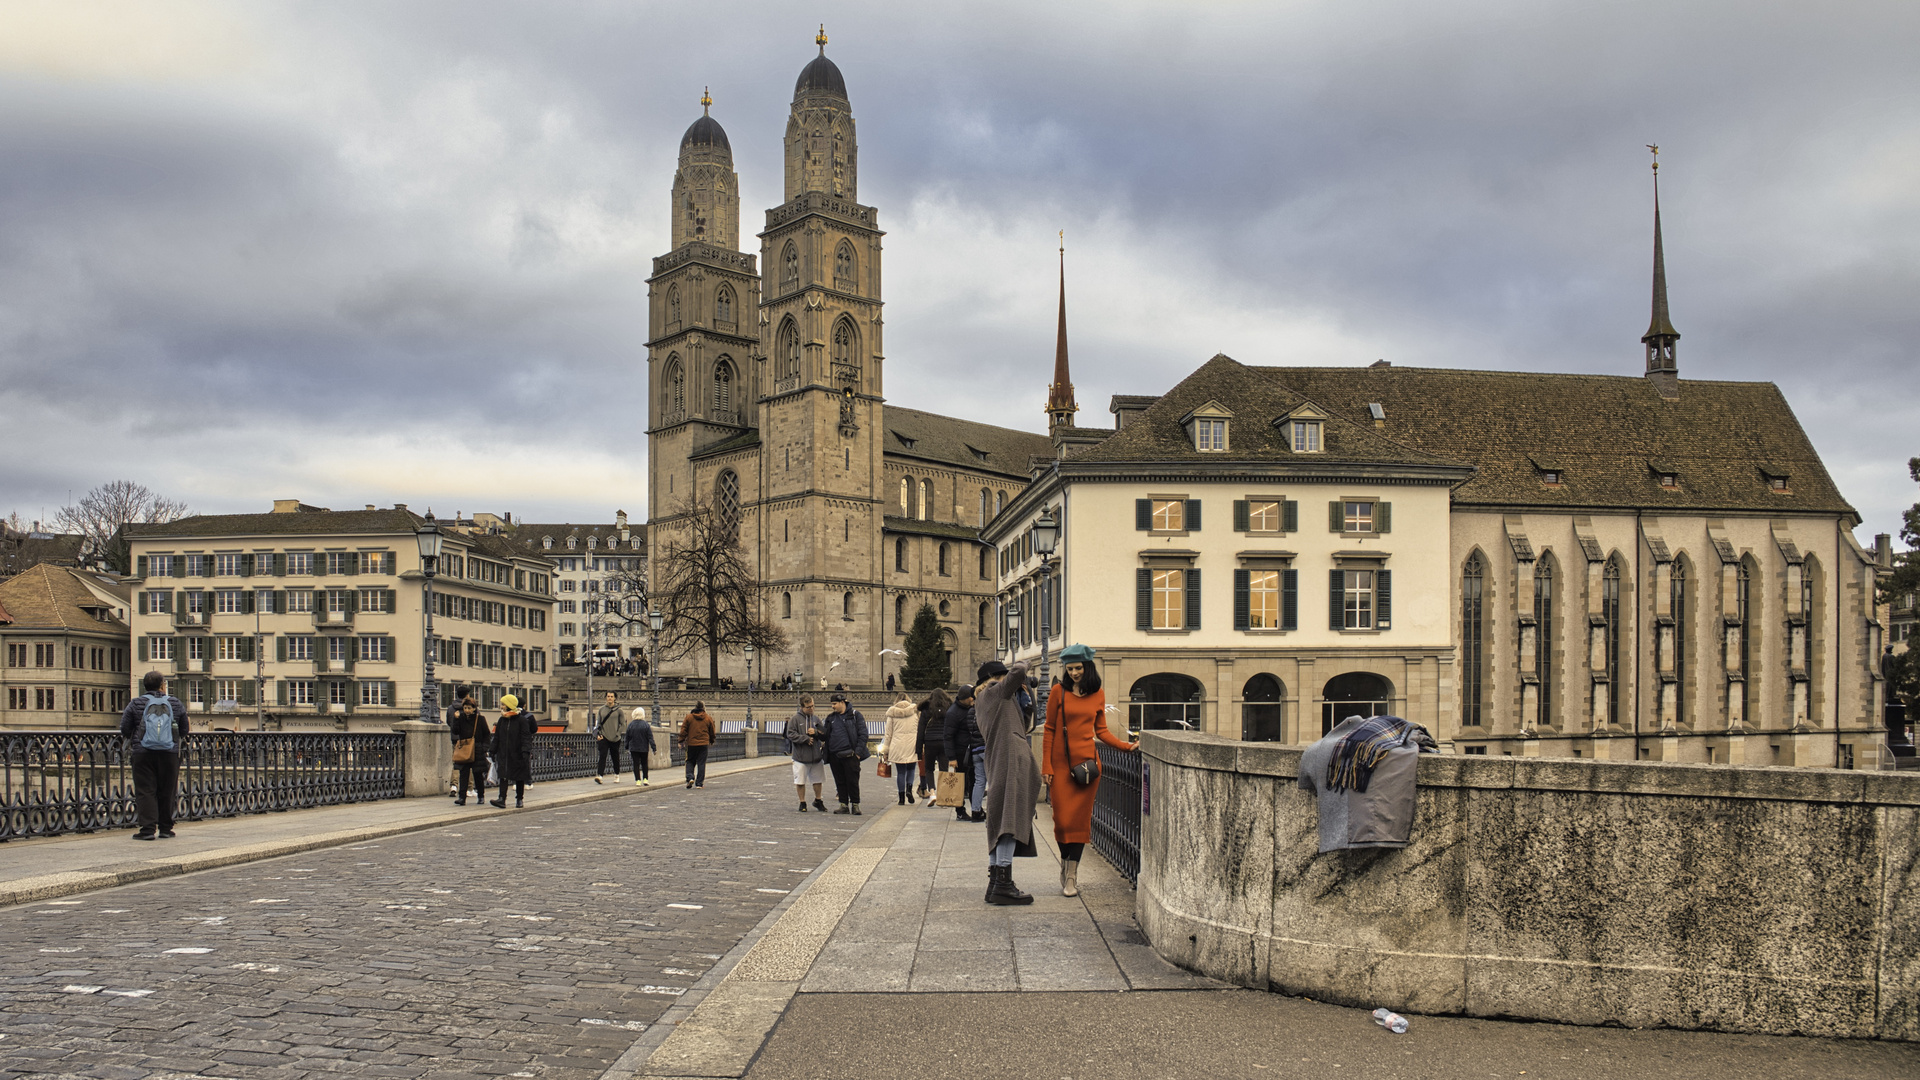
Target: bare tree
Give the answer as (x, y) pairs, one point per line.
(104, 511)
(706, 589)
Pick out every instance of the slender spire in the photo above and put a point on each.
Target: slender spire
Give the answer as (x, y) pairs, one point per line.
(1660, 336)
(820, 39)
(1060, 403)
(706, 101)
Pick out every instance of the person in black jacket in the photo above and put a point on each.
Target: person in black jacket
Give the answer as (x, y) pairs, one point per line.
(156, 756)
(513, 750)
(467, 723)
(933, 722)
(967, 751)
(846, 749)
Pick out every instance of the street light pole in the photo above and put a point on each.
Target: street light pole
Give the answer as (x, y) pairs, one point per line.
(1046, 535)
(655, 621)
(428, 536)
(748, 649)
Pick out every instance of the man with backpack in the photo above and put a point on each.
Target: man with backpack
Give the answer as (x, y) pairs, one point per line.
(156, 724)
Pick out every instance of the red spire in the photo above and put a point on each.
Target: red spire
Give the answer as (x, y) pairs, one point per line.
(1060, 403)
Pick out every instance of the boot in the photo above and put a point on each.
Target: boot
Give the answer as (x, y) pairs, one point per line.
(1069, 877)
(856, 809)
(500, 802)
(1005, 893)
(843, 809)
(903, 799)
(979, 815)
(519, 801)
(462, 800)
(960, 813)
(993, 883)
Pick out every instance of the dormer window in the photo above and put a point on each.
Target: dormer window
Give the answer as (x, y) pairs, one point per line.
(1550, 477)
(1549, 469)
(1669, 480)
(1207, 427)
(546, 542)
(1777, 478)
(1303, 429)
(1777, 483)
(1306, 436)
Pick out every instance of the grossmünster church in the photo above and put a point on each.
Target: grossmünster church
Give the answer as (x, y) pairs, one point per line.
(766, 378)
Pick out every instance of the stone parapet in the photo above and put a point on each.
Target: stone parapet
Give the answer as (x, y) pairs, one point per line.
(1713, 897)
(428, 756)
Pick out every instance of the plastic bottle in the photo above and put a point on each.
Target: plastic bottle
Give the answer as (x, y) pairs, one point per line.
(1390, 1020)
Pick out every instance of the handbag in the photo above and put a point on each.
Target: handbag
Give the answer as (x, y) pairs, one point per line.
(883, 770)
(949, 789)
(1086, 772)
(463, 751)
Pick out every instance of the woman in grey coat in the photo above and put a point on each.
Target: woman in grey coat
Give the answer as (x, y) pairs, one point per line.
(1013, 780)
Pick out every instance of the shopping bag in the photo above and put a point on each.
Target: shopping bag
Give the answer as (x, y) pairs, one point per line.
(950, 789)
(493, 774)
(883, 770)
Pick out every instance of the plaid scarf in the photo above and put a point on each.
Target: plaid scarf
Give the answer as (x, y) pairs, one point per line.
(1366, 746)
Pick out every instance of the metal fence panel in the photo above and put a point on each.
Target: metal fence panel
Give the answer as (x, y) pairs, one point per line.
(565, 755)
(1116, 810)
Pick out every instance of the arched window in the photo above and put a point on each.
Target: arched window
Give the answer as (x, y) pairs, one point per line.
(1738, 697)
(723, 305)
(899, 614)
(1809, 656)
(999, 501)
(790, 268)
(1545, 637)
(984, 553)
(1261, 702)
(546, 542)
(846, 605)
(673, 305)
(986, 500)
(926, 498)
(1357, 693)
(1164, 700)
(786, 605)
(986, 610)
(900, 555)
(945, 550)
(787, 349)
(843, 266)
(726, 500)
(846, 351)
(676, 391)
(1610, 628)
(723, 390)
(906, 496)
(1677, 596)
(945, 608)
(1473, 641)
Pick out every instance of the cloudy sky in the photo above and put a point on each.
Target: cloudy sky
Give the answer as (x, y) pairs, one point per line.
(396, 251)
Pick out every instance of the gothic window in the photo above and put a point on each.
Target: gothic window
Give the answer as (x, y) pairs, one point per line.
(999, 501)
(900, 555)
(676, 395)
(726, 500)
(983, 563)
(1678, 597)
(846, 605)
(673, 305)
(899, 614)
(1610, 628)
(986, 500)
(1743, 615)
(843, 266)
(1544, 634)
(1473, 641)
(786, 605)
(787, 351)
(723, 390)
(906, 496)
(790, 268)
(846, 351)
(723, 305)
(926, 498)
(984, 607)
(945, 551)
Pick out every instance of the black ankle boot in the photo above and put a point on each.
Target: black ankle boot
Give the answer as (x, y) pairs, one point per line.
(903, 799)
(519, 801)
(1005, 892)
(461, 801)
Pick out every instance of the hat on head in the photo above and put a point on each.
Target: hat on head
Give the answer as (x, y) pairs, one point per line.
(1076, 654)
(508, 701)
(837, 697)
(462, 691)
(990, 669)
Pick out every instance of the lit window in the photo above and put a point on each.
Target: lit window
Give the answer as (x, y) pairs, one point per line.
(1356, 600)
(1359, 517)
(1169, 515)
(1306, 436)
(1263, 600)
(1209, 434)
(1263, 516)
(1169, 599)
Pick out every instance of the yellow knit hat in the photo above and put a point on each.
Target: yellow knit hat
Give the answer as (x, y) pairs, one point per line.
(508, 701)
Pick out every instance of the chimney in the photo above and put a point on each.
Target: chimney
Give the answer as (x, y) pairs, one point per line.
(370, 506)
(1883, 551)
(399, 506)
(286, 506)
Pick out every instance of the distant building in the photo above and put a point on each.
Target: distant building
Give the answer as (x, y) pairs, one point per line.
(66, 640)
(314, 617)
(600, 584)
(23, 550)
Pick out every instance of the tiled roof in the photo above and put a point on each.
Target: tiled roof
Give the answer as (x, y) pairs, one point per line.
(1256, 400)
(50, 596)
(4, 616)
(323, 522)
(530, 535)
(495, 546)
(945, 530)
(915, 434)
(1607, 432)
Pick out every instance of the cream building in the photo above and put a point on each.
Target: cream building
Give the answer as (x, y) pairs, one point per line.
(315, 618)
(65, 637)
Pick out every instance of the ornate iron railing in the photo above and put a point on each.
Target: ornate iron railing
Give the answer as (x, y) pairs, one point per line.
(56, 782)
(564, 755)
(1116, 810)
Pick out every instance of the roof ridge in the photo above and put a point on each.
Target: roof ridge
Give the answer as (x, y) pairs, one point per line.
(1490, 373)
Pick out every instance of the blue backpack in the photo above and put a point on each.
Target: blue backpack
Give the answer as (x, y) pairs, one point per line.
(156, 723)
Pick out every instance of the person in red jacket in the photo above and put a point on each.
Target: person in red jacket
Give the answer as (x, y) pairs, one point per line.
(1076, 718)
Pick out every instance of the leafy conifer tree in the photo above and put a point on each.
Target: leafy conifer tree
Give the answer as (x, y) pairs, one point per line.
(926, 667)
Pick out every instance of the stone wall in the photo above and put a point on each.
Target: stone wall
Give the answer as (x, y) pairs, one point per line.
(1765, 900)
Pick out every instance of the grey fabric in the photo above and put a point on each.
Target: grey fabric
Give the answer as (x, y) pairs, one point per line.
(1013, 780)
(1379, 817)
(612, 723)
(804, 748)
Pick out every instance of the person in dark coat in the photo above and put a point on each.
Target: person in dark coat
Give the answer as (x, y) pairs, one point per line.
(156, 757)
(513, 750)
(639, 741)
(967, 751)
(933, 722)
(1013, 780)
(467, 723)
(846, 749)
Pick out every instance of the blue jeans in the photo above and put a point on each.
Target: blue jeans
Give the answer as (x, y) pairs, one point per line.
(979, 776)
(903, 776)
(1001, 854)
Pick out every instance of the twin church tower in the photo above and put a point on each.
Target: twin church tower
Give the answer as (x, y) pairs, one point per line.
(765, 399)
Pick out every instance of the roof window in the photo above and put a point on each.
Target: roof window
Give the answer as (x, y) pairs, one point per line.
(904, 441)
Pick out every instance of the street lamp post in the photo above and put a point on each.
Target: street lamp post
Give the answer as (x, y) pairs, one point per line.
(748, 649)
(655, 621)
(1046, 535)
(1013, 629)
(428, 536)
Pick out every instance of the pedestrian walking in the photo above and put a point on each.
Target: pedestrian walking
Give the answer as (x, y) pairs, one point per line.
(933, 722)
(513, 750)
(899, 745)
(968, 752)
(806, 737)
(846, 749)
(472, 739)
(889, 682)
(639, 739)
(696, 738)
(1076, 720)
(156, 724)
(611, 729)
(1013, 780)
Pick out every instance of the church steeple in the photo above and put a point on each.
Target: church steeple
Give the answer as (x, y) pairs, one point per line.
(1060, 403)
(1662, 367)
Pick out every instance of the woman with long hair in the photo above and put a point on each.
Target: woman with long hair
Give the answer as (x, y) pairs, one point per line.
(898, 744)
(933, 720)
(1070, 760)
(466, 724)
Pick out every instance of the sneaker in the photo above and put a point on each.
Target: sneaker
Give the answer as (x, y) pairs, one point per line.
(646, 782)
(144, 834)
(979, 815)
(856, 809)
(803, 808)
(843, 810)
(700, 785)
(597, 780)
(820, 805)
(639, 783)
(166, 834)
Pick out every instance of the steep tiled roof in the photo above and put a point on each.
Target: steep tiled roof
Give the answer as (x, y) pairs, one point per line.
(1605, 431)
(529, 536)
(50, 596)
(342, 522)
(911, 433)
(1256, 400)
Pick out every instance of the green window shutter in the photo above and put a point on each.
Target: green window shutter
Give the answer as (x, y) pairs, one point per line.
(280, 649)
(179, 566)
(279, 564)
(1193, 515)
(392, 563)
(281, 685)
(353, 562)
(353, 649)
(1193, 599)
(1336, 517)
(140, 566)
(1336, 620)
(1142, 514)
(246, 692)
(247, 602)
(246, 566)
(1239, 515)
(143, 603)
(143, 650)
(393, 597)
(1289, 516)
(1383, 517)
(279, 602)
(1383, 600)
(390, 650)
(1241, 600)
(246, 648)
(1289, 599)
(352, 601)
(1142, 607)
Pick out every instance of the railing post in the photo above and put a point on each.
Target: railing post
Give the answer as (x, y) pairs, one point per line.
(753, 743)
(428, 757)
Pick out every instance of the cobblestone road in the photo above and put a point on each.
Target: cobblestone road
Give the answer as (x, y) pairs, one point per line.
(531, 944)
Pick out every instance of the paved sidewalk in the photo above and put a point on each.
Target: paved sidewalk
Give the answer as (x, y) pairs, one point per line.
(45, 869)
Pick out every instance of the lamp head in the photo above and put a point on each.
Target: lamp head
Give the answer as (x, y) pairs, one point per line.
(655, 621)
(1046, 533)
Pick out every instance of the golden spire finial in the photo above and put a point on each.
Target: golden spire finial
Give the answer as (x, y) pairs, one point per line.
(1063, 241)
(706, 99)
(1655, 147)
(821, 39)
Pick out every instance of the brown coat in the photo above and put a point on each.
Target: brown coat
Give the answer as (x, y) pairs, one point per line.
(1073, 725)
(1013, 780)
(698, 729)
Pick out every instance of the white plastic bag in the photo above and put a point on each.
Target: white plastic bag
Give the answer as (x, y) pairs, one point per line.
(493, 773)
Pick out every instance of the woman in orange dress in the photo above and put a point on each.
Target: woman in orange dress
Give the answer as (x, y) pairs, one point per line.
(1076, 716)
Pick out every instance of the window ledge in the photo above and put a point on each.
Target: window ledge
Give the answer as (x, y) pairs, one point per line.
(1267, 633)
(1180, 632)
(1368, 631)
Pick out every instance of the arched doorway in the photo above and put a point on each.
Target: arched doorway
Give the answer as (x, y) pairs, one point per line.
(1164, 700)
(1357, 693)
(1263, 701)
